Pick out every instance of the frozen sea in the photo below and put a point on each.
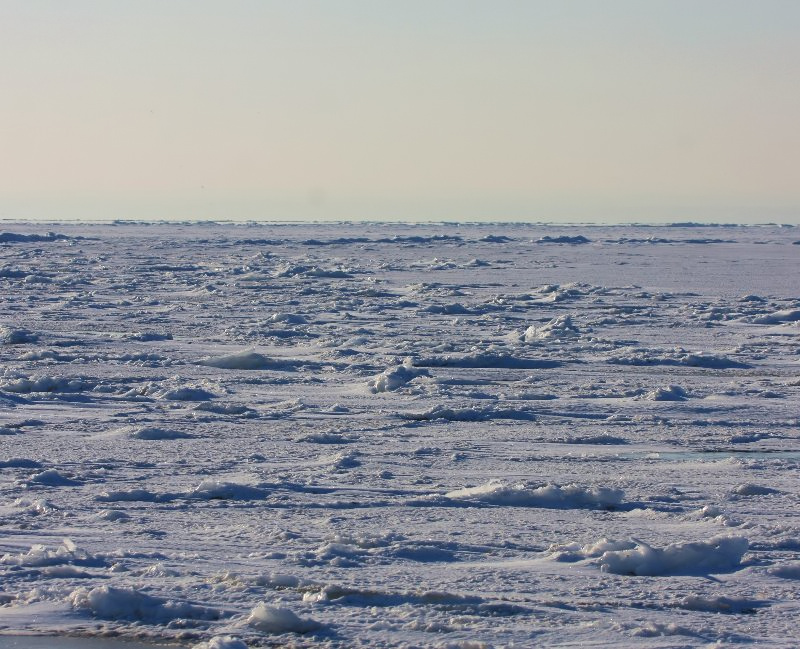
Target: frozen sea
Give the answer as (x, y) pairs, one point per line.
(389, 435)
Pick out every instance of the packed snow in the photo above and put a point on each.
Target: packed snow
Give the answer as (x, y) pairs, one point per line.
(223, 435)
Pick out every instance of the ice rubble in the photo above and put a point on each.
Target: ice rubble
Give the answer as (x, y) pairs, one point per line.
(523, 494)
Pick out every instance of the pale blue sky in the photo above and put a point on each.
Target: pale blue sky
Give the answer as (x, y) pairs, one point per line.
(568, 110)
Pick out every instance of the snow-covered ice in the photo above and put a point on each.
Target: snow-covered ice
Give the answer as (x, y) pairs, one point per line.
(433, 435)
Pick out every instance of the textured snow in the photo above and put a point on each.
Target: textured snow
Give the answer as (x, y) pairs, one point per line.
(341, 435)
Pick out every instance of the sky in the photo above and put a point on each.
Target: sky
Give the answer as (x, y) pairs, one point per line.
(521, 110)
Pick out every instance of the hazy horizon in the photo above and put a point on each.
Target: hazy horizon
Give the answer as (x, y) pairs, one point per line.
(568, 112)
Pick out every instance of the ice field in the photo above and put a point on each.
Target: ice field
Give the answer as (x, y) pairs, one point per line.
(395, 435)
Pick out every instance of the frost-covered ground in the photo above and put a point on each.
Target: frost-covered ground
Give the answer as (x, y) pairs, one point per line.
(401, 435)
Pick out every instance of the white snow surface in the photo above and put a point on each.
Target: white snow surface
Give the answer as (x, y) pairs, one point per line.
(341, 435)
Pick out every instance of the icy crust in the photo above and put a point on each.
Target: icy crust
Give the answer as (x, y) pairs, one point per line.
(446, 436)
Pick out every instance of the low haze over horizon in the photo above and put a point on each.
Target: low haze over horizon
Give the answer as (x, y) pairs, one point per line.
(571, 111)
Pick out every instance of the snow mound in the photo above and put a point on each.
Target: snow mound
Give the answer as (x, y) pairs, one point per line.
(677, 357)
(574, 240)
(142, 336)
(293, 270)
(523, 494)
(210, 489)
(786, 571)
(395, 377)
(719, 604)
(287, 318)
(20, 463)
(556, 329)
(154, 433)
(454, 308)
(246, 360)
(779, 317)
(15, 237)
(276, 620)
(718, 554)
(53, 478)
(128, 495)
(578, 552)
(472, 413)
(669, 393)
(657, 629)
(40, 555)
(602, 439)
(222, 642)
(111, 603)
(23, 385)
(9, 336)
(187, 393)
(486, 359)
(749, 489)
